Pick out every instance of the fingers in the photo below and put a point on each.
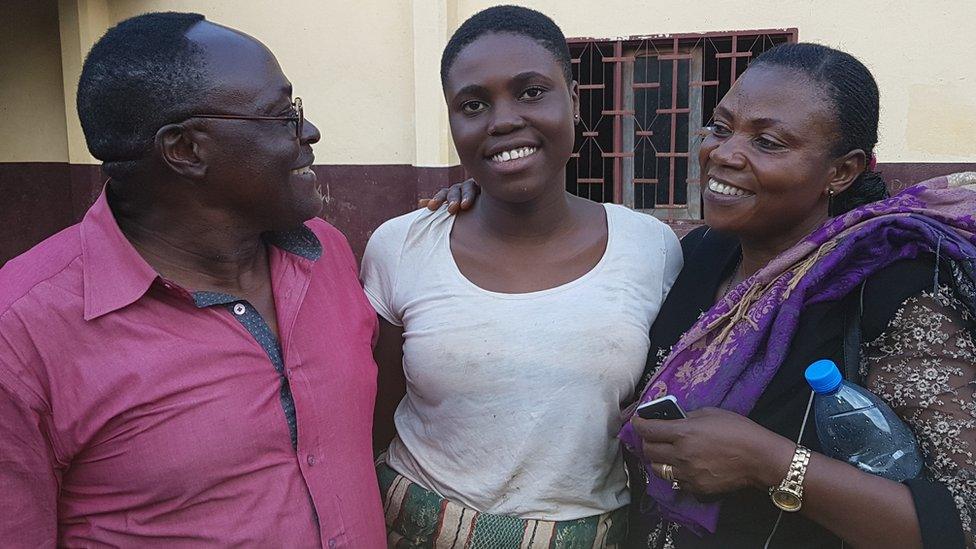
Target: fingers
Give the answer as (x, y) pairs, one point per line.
(454, 194)
(459, 196)
(708, 411)
(469, 190)
(667, 472)
(659, 452)
(664, 471)
(435, 201)
(657, 430)
(657, 469)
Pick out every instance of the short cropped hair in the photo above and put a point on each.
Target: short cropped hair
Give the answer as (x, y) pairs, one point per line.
(511, 20)
(141, 75)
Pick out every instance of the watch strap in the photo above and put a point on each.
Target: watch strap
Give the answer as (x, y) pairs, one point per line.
(793, 481)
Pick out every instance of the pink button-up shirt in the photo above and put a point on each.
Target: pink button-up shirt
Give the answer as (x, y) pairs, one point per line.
(130, 417)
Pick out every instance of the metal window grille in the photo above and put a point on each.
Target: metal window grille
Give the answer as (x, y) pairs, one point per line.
(642, 103)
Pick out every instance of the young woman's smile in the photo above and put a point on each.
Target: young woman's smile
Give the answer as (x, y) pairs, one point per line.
(511, 112)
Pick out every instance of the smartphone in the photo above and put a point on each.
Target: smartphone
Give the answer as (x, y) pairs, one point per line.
(665, 407)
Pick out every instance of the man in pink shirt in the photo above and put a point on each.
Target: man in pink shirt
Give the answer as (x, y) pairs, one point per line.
(191, 364)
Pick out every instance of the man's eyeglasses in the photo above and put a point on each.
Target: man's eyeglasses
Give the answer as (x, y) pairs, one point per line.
(298, 117)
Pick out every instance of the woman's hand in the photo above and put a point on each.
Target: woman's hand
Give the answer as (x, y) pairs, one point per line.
(459, 196)
(715, 451)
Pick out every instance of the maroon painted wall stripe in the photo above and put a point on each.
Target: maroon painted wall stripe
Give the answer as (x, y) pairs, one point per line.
(41, 198)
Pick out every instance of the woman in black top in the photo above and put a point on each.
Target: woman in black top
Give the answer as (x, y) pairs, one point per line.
(792, 144)
(903, 291)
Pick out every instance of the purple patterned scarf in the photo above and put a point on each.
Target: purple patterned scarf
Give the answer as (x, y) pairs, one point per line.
(732, 352)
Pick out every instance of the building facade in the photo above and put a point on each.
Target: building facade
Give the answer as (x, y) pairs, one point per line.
(368, 73)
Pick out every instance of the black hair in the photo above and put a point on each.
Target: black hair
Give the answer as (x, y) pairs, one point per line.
(512, 20)
(852, 92)
(141, 75)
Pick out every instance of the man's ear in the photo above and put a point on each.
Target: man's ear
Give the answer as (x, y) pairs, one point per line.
(846, 169)
(179, 152)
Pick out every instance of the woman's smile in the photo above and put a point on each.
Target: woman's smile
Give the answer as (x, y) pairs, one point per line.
(513, 160)
(721, 193)
(511, 110)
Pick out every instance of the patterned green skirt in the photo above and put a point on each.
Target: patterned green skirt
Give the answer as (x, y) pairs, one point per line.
(417, 517)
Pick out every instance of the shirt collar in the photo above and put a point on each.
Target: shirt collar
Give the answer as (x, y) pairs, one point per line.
(115, 275)
(301, 242)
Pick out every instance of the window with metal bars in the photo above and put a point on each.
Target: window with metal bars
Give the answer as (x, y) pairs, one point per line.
(642, 104)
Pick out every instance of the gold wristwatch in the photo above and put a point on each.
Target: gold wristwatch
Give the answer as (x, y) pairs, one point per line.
(788, 496)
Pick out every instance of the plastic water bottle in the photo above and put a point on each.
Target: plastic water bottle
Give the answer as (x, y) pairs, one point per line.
(856, 426)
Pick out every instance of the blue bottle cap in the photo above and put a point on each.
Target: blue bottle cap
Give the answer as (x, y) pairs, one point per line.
(823, 376)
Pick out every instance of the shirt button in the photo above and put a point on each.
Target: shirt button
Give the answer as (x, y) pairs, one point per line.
(310, 460)
(332, 543)
(239, 309)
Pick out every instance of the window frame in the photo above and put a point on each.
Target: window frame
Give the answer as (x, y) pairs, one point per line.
(609, 95)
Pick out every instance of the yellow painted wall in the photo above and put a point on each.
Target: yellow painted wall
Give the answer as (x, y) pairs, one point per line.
(32, 121)
(82, 23)
(921, 53)
(368, 70)
(350, 62)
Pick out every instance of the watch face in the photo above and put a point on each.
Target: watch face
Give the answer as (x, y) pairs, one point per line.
(786, 501)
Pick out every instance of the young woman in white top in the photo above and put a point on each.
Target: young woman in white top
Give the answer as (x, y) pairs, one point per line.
(519, 329)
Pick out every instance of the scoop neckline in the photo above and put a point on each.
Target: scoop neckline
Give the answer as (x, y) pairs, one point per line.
(446, 248)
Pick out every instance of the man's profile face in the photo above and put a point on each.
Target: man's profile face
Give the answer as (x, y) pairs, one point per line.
(256, 167)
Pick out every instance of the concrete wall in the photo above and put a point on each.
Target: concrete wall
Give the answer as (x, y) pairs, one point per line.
(353, 63)
(40, 193)
(350, 62)
(921, 53)
(368, 70)
(32, 120)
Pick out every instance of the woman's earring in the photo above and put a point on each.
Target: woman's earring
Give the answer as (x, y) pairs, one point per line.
(830, 201)
(576, 118)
